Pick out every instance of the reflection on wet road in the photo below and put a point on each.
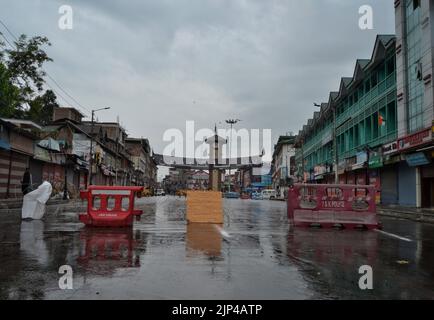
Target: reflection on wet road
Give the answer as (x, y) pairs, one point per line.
(256, 254)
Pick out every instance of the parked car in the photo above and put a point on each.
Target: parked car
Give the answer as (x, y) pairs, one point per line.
(232, 195)
(245, 196)
(269, 194)
(159, 192)
(256, 196)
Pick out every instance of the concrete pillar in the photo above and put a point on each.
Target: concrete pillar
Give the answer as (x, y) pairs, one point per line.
(418, 188)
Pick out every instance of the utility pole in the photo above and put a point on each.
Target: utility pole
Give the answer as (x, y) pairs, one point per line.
(65, 185)
(231, 122)
(91, 142)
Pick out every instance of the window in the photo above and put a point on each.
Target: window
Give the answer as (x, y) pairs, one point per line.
(381, 73)
(416, 4)
(391, 117)
(390, 67)
(367, 86)
(368, 126)
(375, 125)
(374, 79)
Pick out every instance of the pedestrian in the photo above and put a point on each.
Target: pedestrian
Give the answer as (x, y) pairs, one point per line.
(26, 184)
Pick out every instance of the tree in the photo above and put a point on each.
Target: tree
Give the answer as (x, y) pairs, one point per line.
(22, 81)
(42, 107)
(25, 65)
(10, 106)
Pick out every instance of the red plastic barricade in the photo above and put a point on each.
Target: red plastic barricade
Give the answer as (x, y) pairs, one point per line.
(327, 205)
(110, 206)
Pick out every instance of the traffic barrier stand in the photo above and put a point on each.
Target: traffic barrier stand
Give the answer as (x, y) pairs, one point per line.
(328, 205)
(114, 246)
(109, 206)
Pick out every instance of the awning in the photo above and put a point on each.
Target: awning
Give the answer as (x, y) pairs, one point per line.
(50, 144)
(358, 166)
(4, 145)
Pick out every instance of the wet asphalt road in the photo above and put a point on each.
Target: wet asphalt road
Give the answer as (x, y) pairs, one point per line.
(255, 255)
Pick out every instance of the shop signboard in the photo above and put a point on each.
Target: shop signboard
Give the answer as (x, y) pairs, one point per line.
(341, 167)
(361, 157)
(375, 161)
(417, 159)
(319, 170)
(415, 139)
(42, 154)
(350, 162)
(390, 148)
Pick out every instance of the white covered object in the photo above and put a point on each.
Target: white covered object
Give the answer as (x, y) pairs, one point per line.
(34, 202)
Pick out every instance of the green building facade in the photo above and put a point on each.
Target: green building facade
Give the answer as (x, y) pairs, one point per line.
(363, 113)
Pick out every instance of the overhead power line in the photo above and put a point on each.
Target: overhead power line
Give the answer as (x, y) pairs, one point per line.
(77, 104)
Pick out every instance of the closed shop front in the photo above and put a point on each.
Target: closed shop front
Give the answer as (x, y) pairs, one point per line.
(427, 184)
(12, 167)
(389, 184)
(406, 185)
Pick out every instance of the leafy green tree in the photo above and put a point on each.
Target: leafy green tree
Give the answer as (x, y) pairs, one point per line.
(42, 107)
(25, 65)
(22, 81)
(10, 100)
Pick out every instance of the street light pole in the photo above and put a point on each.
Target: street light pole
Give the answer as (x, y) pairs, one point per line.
(231, 122)
(91, 142)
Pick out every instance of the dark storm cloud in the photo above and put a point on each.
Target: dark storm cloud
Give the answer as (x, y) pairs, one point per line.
(160, 63)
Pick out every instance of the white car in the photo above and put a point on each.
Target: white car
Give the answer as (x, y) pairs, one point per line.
(160, 192)
(269, 194)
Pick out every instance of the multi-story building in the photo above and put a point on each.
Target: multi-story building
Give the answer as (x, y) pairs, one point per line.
(186, 179)
(359, 119)
(283, 163)
(115, 161)
(412, 177)
(144, 164)
(384, 117)
(257, 178)
(197, 180)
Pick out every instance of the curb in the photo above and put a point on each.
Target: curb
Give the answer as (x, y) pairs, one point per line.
(413, 217)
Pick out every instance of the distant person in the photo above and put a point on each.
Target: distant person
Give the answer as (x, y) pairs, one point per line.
(27, 182)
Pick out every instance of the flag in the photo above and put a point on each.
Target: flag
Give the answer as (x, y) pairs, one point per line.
(381, 121)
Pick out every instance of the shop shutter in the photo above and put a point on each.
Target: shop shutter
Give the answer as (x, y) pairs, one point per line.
(389, 185)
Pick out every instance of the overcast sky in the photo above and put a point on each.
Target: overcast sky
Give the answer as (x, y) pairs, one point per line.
(159, 63)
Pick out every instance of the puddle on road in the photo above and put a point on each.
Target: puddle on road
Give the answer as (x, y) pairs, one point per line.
(254, 255)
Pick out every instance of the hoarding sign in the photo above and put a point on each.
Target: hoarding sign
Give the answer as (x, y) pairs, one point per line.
(375, 161)
(414, 140)
(390, 148)
(361, 157)
(417, 159)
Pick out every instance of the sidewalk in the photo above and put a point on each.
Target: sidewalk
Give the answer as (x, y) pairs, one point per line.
(18, 203)
(410, 213)
(10, 209)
